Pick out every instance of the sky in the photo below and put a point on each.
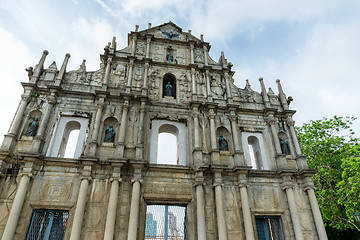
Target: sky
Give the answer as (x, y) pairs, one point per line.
(313, 47)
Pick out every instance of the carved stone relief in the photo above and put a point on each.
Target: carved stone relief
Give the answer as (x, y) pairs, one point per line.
(198, 55)
(140, 48)
(119, 75)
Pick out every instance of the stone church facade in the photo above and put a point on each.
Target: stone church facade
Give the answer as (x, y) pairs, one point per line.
(238, 171)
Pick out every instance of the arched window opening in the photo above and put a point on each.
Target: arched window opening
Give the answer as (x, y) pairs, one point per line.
(167, 149)
(69, 140)
(169, 86)
(71, 144)
(255, 152)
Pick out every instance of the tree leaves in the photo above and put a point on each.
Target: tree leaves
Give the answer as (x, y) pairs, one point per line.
(332, 149)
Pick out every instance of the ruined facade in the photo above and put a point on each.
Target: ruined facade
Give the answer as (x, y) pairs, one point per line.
(238, 171)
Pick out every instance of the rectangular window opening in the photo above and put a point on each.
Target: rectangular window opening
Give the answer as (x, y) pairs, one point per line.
(165, 222)
(269, 228)
(47, 225)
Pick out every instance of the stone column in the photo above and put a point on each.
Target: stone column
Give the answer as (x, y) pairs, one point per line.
(134, 207)
(208, 86)
(35, 147)
(145, 75)
(200, 205)
(291, 125)
(215, 156)
(15, 126)
(112, 207)
(121, 139)
(228, 90)
(197, 143)
(220, 211)
(131, 65)
(205, 55)
(148, 40)
(133, 45)
(249, 230)
(16, 208)
(107, 71)
(192, 53)
(193, 80)
(288, 187)
(95, 132)
(239, 154)
(280, 157)
(264, 94)
(80, 209)
(139, 147)
(309, 188)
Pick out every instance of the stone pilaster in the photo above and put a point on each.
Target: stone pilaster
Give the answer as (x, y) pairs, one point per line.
(39, 68)
(148, 41)
(300, 159)
(140, 139)
(215, 156)
(129, 80)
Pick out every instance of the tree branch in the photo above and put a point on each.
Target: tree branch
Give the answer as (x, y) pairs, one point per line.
(349, 222)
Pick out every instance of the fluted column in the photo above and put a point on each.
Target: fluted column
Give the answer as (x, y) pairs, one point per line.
(249, 230)
(112, 207)
(288, 187)
(309, 188)
(220, 211)
(16, 208)
(200, 205)
(107, 71)
(35, 148)
(239, 154)
(80, 209)
(95, 132)
(134, 207)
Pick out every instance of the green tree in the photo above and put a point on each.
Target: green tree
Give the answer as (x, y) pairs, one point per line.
(332, 149)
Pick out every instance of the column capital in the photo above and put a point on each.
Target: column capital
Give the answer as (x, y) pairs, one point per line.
(139, 180)
(112, 179)
(51, 99)
(100, 103)
(287, 184)
(309, 185)
(86, 178)
(25, 97)
(28, 174)
(147, 65)
(148, 39)
(215, 184)
(290, 121)
(270, 119)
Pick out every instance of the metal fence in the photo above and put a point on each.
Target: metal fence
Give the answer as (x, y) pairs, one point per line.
(47, 225)
(165, 222)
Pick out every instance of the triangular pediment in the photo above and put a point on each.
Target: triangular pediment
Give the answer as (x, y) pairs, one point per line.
(169, 31)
